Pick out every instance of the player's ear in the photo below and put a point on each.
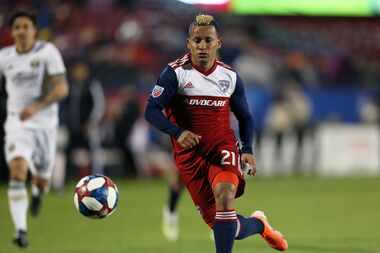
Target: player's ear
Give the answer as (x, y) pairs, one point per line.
(188, 43)
(35, 33)
(219, 43)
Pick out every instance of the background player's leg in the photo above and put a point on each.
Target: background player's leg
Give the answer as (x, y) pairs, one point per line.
(39, 186)
(174, 194)
(170, 216)
(18, 199)
(45, 153)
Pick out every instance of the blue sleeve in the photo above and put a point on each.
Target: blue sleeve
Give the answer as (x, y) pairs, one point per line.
(239, 107)
(162, 95)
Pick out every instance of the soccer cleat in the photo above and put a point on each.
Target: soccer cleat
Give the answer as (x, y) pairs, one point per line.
(273, 237)
(21, 239)
(169, 225)
(35, 205)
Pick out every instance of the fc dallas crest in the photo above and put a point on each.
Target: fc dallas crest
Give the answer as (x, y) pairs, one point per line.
(223, 85)
(157, 91)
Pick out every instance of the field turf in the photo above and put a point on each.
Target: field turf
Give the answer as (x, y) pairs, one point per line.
(316, 215)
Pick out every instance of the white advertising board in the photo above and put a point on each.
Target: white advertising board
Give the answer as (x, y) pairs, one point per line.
(349, 149)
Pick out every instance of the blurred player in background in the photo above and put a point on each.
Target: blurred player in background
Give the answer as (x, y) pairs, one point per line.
(160, 156)
(84, 110)
(35, 82)
(197, 93)
(170, 227)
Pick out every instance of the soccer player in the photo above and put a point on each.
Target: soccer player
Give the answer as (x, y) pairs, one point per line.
(84, 111)
(197, 93)
(159, 157)
(35, 82)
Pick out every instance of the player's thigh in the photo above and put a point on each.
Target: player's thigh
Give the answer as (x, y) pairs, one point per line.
(228, 160)
(18, 149)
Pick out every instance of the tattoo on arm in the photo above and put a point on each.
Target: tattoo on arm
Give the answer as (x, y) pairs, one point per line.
(55, 89)
(58, 78)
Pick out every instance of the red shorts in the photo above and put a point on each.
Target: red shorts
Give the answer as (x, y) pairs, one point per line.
(199, 166)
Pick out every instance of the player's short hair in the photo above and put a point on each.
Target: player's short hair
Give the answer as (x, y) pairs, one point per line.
(203, 20)
(23, 13)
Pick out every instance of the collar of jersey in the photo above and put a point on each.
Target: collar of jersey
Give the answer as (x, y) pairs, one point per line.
(27, 52)
(206, 73)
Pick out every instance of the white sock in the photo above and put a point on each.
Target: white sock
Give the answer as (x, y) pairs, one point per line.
(18, 203)
(35, 190)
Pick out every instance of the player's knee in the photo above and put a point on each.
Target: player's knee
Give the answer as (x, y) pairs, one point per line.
(224, 194)
(41, 183)
(224, 187)
(18, 169)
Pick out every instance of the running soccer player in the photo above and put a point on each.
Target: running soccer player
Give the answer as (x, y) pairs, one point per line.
(197, 93)
(35, 82)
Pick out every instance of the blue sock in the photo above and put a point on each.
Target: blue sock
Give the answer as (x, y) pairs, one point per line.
(173, 199)
(248, 226)
(224, 231)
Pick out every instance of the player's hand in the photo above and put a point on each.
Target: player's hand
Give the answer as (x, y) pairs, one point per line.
(188, 139)
(248, 163)
(29, 111)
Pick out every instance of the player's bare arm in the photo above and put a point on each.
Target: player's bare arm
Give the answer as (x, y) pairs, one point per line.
(188, 139)
(59, 91)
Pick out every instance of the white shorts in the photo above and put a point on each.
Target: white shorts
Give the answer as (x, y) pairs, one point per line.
(36, 146)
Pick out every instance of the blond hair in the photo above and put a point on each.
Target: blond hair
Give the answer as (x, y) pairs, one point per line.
(203, 20)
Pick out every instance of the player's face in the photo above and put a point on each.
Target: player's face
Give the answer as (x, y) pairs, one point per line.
(203, 44)
(24, 31)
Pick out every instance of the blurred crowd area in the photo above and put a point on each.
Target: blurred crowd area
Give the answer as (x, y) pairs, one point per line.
(298, 71)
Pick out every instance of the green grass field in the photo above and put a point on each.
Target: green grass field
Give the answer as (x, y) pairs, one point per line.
(316, 215)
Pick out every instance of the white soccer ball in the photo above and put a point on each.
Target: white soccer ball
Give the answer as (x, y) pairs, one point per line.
(96, 196)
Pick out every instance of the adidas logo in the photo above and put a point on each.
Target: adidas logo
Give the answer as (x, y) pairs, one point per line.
(188, 85)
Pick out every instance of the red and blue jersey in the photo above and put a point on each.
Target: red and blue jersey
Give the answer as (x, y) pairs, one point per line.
(200, 102)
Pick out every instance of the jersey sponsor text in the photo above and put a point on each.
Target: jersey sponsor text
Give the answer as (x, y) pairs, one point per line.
(205, 102)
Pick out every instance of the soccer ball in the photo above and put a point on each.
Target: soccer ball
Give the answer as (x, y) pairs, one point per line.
(96, 196)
